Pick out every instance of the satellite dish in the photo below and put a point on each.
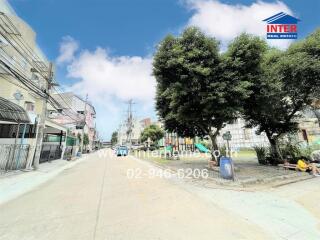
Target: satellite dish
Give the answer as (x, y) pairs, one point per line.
(18, 95)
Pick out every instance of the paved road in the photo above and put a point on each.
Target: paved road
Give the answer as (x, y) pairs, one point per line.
(96, 200)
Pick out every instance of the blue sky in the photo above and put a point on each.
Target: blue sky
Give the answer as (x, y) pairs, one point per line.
(127, 32)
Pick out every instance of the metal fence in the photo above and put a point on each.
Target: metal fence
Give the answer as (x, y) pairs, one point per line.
(69, 152)
(50, 152)
(13, 156)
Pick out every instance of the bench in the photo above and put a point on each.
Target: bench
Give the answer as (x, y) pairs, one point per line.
(288, 166)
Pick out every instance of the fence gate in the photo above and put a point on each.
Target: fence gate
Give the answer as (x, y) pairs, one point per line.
(13, 156)
(50, 152)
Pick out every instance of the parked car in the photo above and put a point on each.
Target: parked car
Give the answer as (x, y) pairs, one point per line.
(122, 151)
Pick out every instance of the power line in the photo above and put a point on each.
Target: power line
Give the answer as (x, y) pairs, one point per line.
(15, 35)
(27, 54)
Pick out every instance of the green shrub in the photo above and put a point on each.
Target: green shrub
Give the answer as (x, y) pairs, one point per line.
(262, 153)
(290, 150)
(223, 150)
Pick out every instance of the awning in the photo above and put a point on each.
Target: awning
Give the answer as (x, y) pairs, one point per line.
(53, 127)
(12, 112)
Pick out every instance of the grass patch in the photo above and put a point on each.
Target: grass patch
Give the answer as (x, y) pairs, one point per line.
(246, 153)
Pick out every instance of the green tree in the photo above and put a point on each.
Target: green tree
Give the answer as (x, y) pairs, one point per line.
(79, 138)
(165, 67)
(289, 82)
(114, 138)
(191, 99)
(152, 132)
(268, 106)
(85, 140)
(241, 67)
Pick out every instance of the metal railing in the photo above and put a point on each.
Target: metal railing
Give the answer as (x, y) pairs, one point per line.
(69, 152)
(13, 156)
(50, 152)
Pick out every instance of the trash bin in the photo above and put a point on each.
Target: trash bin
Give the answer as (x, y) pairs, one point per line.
(226, 168)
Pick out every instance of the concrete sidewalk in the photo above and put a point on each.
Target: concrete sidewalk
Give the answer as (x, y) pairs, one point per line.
(16, 183)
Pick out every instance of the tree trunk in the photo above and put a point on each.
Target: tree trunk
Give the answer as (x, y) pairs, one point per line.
(275, 151)
(215, 148)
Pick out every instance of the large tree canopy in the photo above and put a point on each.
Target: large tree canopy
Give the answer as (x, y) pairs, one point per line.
(289, 82)
(191, 98)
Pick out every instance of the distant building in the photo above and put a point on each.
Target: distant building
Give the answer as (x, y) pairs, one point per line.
(309, 128)
(106, 144)
(137, 128)
(242, 137)
(145, 122)
(77, 110)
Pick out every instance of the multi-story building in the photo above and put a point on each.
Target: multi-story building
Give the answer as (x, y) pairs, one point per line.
(23, 71)
(146, 122)
(80, 115)
(137, 128)
(242, 137)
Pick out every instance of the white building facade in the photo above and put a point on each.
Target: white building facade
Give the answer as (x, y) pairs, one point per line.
(242, 137)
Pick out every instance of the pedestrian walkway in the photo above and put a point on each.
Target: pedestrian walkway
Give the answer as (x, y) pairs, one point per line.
(15, 183)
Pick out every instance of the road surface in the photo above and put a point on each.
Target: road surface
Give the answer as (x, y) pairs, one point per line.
(97, 200)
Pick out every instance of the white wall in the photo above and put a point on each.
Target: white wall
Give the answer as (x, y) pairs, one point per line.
(242, 137)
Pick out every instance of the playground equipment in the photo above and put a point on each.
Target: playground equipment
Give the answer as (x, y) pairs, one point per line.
(169, 153)
(202, 148)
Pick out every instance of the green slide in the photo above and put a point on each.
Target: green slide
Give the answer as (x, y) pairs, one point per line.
(169, 148)
(201, 148)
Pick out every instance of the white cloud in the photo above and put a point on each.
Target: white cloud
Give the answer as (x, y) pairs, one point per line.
(120, 77)
(110, 82)
(225, 22)
(68, 48)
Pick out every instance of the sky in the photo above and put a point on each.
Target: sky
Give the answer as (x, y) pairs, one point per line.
(104, 48)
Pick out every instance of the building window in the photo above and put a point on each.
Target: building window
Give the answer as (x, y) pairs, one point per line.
(34, 77)
(29, 106)
(10, 130)
(246, 133)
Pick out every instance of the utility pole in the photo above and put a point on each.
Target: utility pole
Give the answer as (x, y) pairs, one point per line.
(129, 123)
(41, 122)
(84, 122)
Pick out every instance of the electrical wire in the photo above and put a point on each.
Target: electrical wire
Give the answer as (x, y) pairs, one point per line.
(26, 53)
